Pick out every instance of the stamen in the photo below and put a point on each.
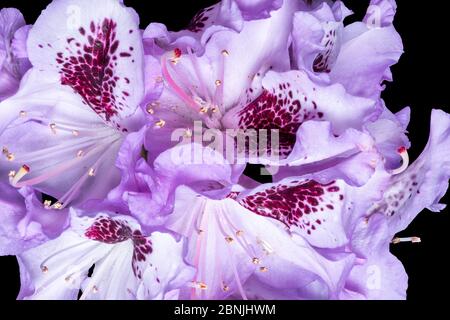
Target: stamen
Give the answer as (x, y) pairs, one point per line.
(218, 83)
(263, 269)
(225, 53)
(11, 174)
(188, 133)
(229, 239)
(203, 90)
(68, 197)
(44, 269)
(409, 239)
(405, 161)
(255, 261)
(22, 114)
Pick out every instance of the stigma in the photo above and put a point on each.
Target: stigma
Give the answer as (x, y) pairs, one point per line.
(403, 152)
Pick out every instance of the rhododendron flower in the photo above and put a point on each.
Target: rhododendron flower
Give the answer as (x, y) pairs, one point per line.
(13, 55)
(74, 106)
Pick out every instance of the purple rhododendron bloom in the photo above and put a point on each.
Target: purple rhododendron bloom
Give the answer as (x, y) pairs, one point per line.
(124, 152)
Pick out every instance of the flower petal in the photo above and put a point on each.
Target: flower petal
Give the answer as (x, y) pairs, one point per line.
(365, 58)
(252, 9)
(116, 249)
(380, 275)
(96, 50)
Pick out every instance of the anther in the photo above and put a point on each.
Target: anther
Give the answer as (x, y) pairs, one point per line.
(405, 161)
(204, 110)
(161, 123)
(80, 153)
(24, 170)
(263, 269)
(239, 233)
(9, 156)
(218, 83)
(23, 114)
(255, 261)
(47, 204)
(75, 133)
(229, 239)
(188, 133)
(225, 53)
(199, 285)
(91, 172)
(11, 174)
(53, 127)
(44, 269)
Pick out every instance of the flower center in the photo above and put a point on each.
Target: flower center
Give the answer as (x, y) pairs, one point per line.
(208, 105)
(78, 148)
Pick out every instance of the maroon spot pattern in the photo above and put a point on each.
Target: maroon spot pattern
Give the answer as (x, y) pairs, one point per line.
(279, 109)
(398, 195)
(303, 204)
(322, 61)
(111, 231)
(88, 65)
(198, 23)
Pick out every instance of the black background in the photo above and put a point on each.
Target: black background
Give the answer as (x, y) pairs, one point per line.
(420, 81)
